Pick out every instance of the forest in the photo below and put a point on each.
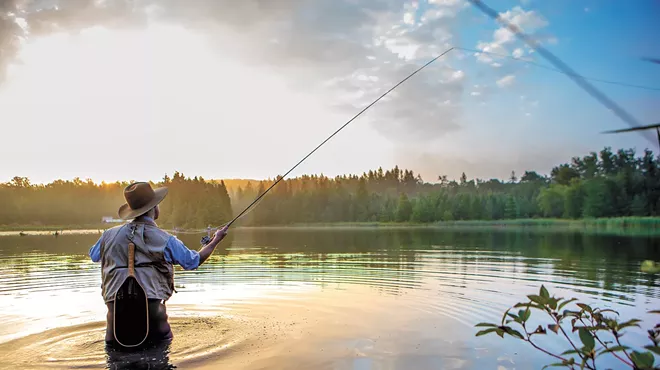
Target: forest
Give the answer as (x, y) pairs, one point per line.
(603, 184)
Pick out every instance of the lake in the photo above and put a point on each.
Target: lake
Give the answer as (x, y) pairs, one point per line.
(358, 299)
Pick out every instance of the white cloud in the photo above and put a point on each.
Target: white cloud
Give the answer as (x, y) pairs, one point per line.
(517, 53)
(409, 18)
(506, 81)
(475, 93)
(502, 36)
(457, 75)
(450, 3)
(527, 21)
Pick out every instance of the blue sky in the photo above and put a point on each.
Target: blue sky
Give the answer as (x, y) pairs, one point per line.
(228, 89)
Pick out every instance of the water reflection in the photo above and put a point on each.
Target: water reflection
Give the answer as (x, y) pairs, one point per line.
(154, 356)
(391, 260)
(338, 289)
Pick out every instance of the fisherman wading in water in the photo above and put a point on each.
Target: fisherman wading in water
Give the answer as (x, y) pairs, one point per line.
(154, 253)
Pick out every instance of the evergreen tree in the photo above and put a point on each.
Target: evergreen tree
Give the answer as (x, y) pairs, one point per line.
(404, 209)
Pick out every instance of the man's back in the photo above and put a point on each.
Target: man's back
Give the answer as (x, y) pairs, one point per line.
(152, 270)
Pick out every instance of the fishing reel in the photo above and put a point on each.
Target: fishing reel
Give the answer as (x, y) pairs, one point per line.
(205, 240)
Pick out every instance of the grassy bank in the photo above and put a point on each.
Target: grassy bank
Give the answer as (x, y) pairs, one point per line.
(17, 228)
(616, 226)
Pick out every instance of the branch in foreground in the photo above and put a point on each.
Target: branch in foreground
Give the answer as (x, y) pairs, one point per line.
(587, 321)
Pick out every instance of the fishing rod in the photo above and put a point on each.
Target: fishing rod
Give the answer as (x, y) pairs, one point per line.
(579, 80)
(280, 178)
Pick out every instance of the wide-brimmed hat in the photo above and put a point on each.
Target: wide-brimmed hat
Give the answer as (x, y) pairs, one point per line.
(140, 198)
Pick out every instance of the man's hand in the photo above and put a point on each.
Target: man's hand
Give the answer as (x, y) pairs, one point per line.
(220, 234)
(208, 249)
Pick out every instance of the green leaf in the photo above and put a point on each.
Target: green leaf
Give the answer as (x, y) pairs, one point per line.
(585, 307)
(584, 362)
(486, 325)
(643, 360)
(569, 352)
(524, 314)
(654, 311)
(537, 299)
(564, 303)
(614, 349)
(544, 292)
(558, 364)
(552, 302)
(504, 316)
(528, 305)
(513, 332)
(569, 362)
(499, 332)
(587, 339)
(628, 323)
(655, 349)
(608, 310)
(514, 317)
(484, 332)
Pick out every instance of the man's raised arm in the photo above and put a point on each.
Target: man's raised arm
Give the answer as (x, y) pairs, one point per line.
(177, 252)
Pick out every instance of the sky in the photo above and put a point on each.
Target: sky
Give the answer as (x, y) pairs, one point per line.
(134, 90)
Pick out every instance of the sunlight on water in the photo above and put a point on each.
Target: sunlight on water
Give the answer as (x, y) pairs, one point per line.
(360, 299)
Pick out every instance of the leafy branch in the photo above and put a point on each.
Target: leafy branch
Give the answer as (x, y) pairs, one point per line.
(599, 332)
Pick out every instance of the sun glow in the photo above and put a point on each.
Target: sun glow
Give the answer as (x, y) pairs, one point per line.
(85, 100)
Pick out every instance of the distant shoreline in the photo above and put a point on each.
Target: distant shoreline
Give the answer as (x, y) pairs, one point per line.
(617, 225)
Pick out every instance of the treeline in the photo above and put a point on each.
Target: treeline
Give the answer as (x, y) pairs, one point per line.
(604, 184)
(190, 203)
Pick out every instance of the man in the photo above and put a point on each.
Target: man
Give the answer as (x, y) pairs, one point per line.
(156, 251)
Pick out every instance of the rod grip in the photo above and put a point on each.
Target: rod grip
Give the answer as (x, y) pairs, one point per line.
(131, 259)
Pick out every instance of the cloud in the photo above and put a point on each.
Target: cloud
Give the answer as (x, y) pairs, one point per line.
(409, 18)
(350, 52)
(506, 81)
(527, 21)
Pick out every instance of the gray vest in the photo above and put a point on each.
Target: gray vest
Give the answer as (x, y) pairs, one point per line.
(152, 271)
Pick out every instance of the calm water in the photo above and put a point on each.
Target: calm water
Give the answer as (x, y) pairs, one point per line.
(324, 299)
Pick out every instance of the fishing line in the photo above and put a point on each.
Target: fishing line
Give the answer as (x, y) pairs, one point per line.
(280, 178)
(591, 90)
(579, 80)
(559, 71)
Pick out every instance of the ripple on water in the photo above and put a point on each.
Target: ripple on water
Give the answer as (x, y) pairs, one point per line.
(198, 339)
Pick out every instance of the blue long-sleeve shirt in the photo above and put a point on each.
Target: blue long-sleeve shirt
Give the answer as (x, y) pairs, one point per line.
(175, 253)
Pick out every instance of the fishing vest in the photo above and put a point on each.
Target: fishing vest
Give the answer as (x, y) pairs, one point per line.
(152, 271)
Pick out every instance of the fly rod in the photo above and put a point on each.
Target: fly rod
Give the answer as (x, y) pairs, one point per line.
(280, 178)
